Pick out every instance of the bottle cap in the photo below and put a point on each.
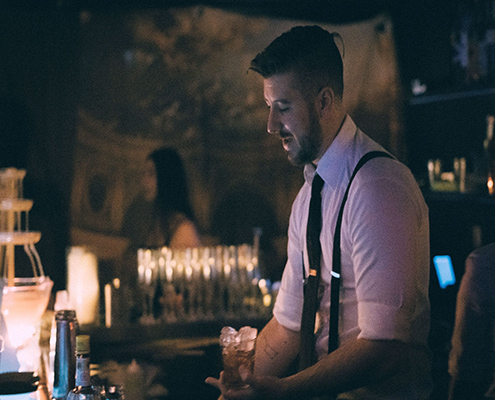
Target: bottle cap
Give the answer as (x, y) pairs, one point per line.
(65, 315)
(82, 344)
(62, 301)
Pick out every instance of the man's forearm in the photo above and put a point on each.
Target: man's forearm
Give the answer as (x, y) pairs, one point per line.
(276, 348)
(355, 364)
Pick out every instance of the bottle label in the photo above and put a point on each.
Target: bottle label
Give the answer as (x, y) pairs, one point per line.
(83, 377)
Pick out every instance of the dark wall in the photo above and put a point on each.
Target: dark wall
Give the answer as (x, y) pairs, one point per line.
(38, 81)
(39, 84)
(422, 32)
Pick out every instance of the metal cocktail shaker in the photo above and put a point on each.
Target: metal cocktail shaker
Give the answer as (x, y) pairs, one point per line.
(65, 353)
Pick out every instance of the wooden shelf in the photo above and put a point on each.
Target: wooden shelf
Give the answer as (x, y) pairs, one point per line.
(470, 198)
(451, 95)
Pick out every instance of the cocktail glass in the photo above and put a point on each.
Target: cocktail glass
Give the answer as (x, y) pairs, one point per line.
(23, 306)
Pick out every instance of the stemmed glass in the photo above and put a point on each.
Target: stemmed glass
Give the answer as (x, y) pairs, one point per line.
(196, 298)
(208, 278)
(169, 299)
(147, 279)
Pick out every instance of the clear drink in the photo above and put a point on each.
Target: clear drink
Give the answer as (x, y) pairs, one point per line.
(238, 349)
(232, 360)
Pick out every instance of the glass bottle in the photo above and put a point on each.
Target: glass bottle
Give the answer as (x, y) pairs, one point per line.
(487, 42)
(459, 44)
(134, 385)
(475, 36)
(113, 392)
(490, 42)
(489, 145)
(64, 364)
(83, 389)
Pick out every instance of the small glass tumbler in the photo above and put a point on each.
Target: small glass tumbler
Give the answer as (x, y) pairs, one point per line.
(234, 354)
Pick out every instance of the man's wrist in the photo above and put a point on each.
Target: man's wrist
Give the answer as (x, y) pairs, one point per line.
(289, 389)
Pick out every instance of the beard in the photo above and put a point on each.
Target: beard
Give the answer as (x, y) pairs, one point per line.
(309, 145)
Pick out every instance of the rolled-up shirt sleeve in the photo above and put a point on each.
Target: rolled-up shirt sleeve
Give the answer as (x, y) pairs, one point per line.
(388, 231)
(385, 259)
(289, 303)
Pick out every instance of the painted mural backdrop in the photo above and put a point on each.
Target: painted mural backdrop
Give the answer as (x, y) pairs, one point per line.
(179, 77)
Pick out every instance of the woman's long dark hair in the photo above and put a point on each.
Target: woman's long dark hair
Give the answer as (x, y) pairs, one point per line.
(172, 187)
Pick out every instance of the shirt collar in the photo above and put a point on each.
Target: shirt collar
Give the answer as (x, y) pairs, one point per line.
(332, 161)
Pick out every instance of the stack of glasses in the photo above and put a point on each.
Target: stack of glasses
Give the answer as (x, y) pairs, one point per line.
(202, 283)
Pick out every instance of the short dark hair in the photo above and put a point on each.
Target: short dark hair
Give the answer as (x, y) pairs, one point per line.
(310, 52)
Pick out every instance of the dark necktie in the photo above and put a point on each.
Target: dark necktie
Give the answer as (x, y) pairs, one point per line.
(307, 355)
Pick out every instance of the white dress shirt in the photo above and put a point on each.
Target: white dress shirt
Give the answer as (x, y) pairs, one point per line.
(385, 258)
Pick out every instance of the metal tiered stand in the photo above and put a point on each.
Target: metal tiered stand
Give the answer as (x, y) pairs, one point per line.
(24, 299)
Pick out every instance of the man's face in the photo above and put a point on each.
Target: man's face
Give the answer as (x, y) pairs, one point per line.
(293, 118)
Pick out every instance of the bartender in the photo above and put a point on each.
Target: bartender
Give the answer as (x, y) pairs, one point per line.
(383, 320)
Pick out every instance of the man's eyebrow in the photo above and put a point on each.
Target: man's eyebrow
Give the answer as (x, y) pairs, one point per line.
(279, 101)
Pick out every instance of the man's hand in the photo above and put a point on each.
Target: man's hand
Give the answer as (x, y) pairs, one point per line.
(276, 348)
(259, 388)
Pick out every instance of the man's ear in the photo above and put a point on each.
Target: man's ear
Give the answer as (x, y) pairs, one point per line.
(325, 100)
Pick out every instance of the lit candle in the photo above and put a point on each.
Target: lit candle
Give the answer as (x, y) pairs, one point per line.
(83, 285)
(108, 305)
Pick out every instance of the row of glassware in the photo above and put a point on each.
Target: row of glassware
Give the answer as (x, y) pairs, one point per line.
(202, 283)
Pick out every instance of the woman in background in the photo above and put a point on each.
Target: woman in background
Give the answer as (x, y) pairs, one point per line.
(162, 215)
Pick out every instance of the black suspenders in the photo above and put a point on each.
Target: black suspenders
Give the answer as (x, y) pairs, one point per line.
(333, 334)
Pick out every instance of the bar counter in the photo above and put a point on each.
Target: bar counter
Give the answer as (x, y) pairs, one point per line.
(180, 354)
(129, 340)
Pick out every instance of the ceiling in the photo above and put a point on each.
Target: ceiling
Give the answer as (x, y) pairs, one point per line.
(421, 27)
(332, 11)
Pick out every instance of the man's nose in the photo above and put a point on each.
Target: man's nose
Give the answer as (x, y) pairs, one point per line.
(273, 125)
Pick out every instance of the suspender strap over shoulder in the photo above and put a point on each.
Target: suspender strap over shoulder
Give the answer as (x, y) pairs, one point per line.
(333, 334)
